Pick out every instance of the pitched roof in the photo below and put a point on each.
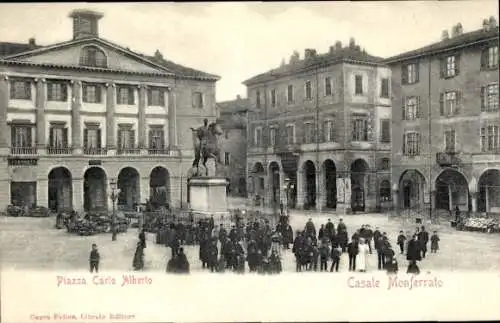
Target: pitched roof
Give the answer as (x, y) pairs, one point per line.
(7, 48)
(346, 54)
(463, 40)
(162, 64)
(234, 106)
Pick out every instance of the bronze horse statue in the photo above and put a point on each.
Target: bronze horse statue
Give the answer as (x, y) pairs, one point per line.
(206, 146)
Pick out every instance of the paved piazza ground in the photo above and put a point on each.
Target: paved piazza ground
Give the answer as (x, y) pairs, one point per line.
(33, 243)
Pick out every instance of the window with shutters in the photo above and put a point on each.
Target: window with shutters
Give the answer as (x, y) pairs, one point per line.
(328, 86)
(449, 66)
(227, 158)
(449, 140)
(358, 84)
(126, 137)
(411, 144)
(91, 93)
(329, 130)
(92, 137)
(290, 134)
(156, 137)
(411, 110)
(93, 57)
(309, 129)
(384, 88)
(360, 129)
(385, 164)
(156, 97)
(125, 95)
(257, 99)
(273, 98)
(20, 89)
(450, 103)
(198, 100)
(21, 136)
(490, 97)
(490, 138)
(385, 191)
(289, 94)
(273, 136)
(489, 57)
(308, 90)
(385, 130)
(409, 73)
(57, 91)
(58, 136)
(257, 140)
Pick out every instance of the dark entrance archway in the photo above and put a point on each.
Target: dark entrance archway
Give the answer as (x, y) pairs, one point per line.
(159, 187)
(129, 185)
(489, 191)
(452, 189)
(411, 189)
(330, 172)
(358, 184)
(309, 185)
(274, 180)
(94, 190)
(60, 194)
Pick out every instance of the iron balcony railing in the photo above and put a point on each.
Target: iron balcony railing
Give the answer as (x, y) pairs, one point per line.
(95, 151)
(59, 150)
(128, 151)
(23, 151)
(158, 151)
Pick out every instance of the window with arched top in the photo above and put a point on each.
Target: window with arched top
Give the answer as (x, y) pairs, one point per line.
(93, 56)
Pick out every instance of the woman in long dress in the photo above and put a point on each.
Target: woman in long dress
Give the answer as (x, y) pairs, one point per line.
(363, 250)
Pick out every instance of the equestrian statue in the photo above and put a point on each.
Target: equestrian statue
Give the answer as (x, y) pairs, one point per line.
(206, 149)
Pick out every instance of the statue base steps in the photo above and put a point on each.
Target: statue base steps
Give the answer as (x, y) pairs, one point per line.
(207, 196)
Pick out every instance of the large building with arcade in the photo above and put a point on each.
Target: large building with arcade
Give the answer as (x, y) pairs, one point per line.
(316, 119)
(78, 114)
(446, 123)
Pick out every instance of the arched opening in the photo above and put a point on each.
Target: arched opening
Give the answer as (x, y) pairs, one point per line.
(452, 190)
(159, 187)
(60, 194)
(309, 185)
(242, 186)
(489, 191)
(358, 184)
(411, 189)
(94, 190)
(130, 192)
(330, 183)
(274, 180)
(93, 56)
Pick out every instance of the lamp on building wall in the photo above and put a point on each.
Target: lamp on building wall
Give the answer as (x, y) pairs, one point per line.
(113, 196)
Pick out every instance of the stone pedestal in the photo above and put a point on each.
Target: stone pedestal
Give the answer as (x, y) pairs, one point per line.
(207, 196)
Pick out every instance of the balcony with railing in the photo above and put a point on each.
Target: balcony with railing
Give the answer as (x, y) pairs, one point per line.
(287, 148)
(95, 151)
(24, 151)
(59, 150)
(158, 151)
(128, 151)
(447, 158)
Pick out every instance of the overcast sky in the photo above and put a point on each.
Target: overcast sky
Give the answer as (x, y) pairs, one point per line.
(239, 40)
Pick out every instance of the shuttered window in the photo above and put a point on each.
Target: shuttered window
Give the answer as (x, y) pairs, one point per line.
(57, 91)
(125, 95)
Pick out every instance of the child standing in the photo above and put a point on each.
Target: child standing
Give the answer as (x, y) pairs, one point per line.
(401, 241)
(434, 242)
(94, 259)
(324, 252)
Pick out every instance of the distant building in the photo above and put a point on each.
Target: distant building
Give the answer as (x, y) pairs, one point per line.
(78, 114)
(233, 116)
(318, 119)
(446, 123)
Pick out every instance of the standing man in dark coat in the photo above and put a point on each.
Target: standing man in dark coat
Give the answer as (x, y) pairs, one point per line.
(321, 233)
(142, 238)
(310, 229)
(423, 238)
(211, 223)
(342, 239)
(341, 226)
(413, 254)
(352, 251)
(379, 246)
(213, 253)
(287, 235)
(330, 230)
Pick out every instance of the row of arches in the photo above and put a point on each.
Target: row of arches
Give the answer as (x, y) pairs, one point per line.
(95, 187)
(451, 190)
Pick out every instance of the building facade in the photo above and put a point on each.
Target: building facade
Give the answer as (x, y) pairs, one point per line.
(233, 117)
(79, 114)
(316, 120)
(446, 122)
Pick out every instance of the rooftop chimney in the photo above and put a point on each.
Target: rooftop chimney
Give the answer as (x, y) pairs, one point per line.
(32, 43)
(295, 57)
(309, 53)
(457, 30)
(493, 22)
(445, 35)
(352, 43)
(238, 97)
(282, 62)
(486, 25)
(338, 45)
(85, 23)
(331, 50)
(357, 47)
(158, 54)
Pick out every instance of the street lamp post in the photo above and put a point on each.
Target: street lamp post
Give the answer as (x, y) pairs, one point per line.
(114, 196)
(287, 189)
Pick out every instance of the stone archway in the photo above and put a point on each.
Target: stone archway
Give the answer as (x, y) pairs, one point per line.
(95, 190)
(359, 168)
(452, 189)
(60, 190)
(309, 185)
(489, 192)
(330, 173)
(411, 189)
(159, 187)
(129, 185)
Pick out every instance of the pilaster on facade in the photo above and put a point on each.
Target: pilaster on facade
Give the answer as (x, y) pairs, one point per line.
(172, 119)
(77, 190)
(4, 103)
(41, 102)
(76, 126)
(300, 189)
(42, 191)
(110, 118)
(142, 119)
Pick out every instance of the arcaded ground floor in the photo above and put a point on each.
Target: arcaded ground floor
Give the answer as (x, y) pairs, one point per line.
(34, 243)
(86, 185)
